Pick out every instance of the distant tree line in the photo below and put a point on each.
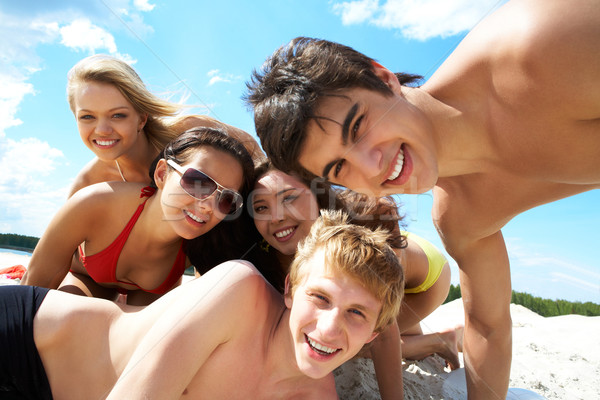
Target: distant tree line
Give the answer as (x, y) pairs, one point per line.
(543, 307)
(18, 242)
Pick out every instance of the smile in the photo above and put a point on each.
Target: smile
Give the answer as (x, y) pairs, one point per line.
(105, 142)
(398, 167)
(284, 233)
(319, 348)
(194, 217)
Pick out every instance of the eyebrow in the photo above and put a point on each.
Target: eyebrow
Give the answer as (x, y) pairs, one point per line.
(345, 134)
(111, 110)
(276, 194)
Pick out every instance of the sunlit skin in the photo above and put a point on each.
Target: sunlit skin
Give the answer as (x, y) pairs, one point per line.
(90, 218)
(284, 210)
(361, 138)
(108, 124)
(333, 310)
(509, 121)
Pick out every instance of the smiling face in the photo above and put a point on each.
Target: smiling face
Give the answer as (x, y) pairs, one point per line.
(371, 143)
(108, 124)
(331, 317)
(190, 217)
(284, 210)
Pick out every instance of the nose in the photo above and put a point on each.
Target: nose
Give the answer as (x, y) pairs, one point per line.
(103, 127)
(330, 324)
(207, 205)
(277, 212)
(366, 158)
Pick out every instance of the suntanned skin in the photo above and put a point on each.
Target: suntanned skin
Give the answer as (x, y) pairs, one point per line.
(135, 164)
(510, 121)
(239, 339)
(224, 335)
(90, 218)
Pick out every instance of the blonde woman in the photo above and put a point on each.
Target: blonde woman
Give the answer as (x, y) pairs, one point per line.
(124, 124)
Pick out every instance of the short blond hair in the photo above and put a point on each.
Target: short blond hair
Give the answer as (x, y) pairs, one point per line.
(360, 252)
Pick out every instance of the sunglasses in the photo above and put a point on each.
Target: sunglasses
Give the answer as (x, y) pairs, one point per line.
(201, 186)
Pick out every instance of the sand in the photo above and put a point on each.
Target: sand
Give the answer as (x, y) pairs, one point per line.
(557, 357)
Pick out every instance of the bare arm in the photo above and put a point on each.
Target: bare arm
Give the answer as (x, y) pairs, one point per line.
(51, 259)
(486, 291)
(201, 316)
(387, 360)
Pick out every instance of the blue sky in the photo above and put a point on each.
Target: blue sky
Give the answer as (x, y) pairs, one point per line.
(201, 53)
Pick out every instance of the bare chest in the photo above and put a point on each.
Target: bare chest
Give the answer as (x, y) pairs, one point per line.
(476, 206)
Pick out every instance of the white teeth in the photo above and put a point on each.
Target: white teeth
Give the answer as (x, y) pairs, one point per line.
(320, 347)
(398, 168)
(284, 233)
(105, 142)
(194, 217)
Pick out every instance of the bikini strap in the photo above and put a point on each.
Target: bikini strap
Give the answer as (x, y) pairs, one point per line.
(147, 191)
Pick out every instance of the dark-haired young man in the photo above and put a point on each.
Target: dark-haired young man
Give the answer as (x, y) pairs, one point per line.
(510, 121)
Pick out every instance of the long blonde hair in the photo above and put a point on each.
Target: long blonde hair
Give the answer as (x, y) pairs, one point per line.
(102, 68)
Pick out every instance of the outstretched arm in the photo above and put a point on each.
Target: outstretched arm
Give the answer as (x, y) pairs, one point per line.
(194, 320)
(486, 291)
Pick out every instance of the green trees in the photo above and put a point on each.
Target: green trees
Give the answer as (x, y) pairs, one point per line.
(18, 242)
(543, 307)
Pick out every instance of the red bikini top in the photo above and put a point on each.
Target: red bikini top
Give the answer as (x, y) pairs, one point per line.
(102, 266)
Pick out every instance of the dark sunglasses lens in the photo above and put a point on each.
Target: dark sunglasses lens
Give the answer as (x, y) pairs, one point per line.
(228, 201)
(197, 184)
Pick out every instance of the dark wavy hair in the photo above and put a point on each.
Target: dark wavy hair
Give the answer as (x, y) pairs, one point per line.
(286, 92)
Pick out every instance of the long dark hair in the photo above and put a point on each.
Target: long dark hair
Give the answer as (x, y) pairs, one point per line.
(227, 240)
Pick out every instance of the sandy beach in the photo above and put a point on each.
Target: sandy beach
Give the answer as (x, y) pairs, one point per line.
(557, 357)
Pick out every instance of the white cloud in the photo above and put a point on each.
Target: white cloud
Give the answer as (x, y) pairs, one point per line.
(13, 87)
(356, 12)
(143, 5)
(418, 19)
(27, 201)
(81, 34)
(217, 76)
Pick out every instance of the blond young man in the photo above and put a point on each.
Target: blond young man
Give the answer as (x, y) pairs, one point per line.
(228, 334)
(511, 120)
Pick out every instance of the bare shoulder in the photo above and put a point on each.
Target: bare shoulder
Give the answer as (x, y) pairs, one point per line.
(98, 194)
(554, 43)
(93, 172)
(234, 284)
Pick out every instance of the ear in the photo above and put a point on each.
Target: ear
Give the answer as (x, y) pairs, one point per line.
(287, 293)
(143, 120)
(387, 76)
(373, 336)
(160, 173)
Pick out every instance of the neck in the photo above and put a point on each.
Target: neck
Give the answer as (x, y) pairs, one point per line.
(135, 164)
(457, 133)
(280, 365)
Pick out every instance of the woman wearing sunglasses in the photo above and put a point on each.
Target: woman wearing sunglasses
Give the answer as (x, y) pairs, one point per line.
(124, 124)
(131, 238)
(284, 209)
